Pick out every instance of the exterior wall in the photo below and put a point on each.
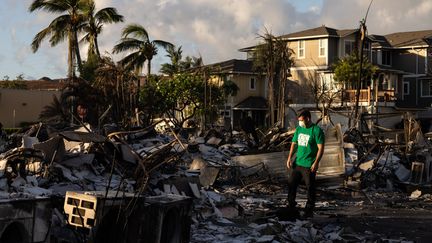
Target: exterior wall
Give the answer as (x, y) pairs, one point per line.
(300, 92)
(429, 61)
(18, 106)
(411, 61)
(333, 51)
(243, 81)
(413, 99)
(341, 44)
(312, 57)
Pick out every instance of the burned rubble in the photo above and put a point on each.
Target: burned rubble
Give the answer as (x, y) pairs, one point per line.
(217, 186)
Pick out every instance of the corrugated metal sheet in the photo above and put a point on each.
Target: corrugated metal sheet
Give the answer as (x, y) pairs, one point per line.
(332, 162)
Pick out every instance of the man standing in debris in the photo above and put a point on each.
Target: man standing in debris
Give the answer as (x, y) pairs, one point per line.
(248, 126)
(83, 113)
(309, 139)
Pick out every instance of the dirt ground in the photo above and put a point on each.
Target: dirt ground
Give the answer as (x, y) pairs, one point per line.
(387, 215)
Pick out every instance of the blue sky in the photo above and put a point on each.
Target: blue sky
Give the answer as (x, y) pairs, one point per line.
(213, 29)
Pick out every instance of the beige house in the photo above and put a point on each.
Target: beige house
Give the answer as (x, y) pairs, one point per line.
(25, 105)
(250, 99)
(317, 50)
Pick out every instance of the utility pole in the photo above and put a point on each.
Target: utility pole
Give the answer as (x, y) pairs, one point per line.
(359, 81)
(363, 33)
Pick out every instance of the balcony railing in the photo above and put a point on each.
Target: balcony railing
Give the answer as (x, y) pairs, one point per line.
(368, 95)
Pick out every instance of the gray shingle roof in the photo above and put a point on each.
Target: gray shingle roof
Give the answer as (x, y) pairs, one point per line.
(404, 39)
(232, 66)
(320, 31)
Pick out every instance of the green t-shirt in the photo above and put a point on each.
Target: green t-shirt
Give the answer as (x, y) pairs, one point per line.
(307, 140)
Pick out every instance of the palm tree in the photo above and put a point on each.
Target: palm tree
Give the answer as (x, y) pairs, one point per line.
(94, 24)
(192, 62)
(143, 49)
(64, 26)
(175, 56)
(273, 57)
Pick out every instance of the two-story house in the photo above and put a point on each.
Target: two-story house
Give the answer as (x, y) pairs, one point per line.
(250, 99)
(403, 59)
(315, 52)
(410, 55)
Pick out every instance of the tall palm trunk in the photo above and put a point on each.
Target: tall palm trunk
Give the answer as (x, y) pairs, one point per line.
(71, 70)
(77, 51)
(96, 46)
(148, 68)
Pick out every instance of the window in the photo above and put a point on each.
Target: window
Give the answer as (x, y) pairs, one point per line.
(252, 84)
(426, 88)
(386, 58)
(225, 114)
(406, 88)
(225, 111)
(301, 49)
(322, 47)
(349, 47)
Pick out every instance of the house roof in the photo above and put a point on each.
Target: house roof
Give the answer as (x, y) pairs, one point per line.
(404, 39)
(319, 31)
(252, 103)
(322, 31)
(232, 66)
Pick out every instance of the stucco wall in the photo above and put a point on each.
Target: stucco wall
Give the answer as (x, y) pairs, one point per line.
(18, 106)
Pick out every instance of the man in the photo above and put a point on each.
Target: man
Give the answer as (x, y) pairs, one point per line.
(82, 112)
(248, 126)
(84, 115)
(309, 139)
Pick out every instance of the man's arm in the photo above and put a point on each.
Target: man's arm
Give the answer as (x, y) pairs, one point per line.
(320, 152)
(291, 152)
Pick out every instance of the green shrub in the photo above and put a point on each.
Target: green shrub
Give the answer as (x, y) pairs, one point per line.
(9, 131)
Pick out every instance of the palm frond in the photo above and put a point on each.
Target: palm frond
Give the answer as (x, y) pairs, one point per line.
(137, 31)
(37, 40)
(133, 61)
(52, 6)
(108, 15)
(164, 44)
(127, 44)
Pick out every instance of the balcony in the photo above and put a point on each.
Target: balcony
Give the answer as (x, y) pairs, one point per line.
(368, 95)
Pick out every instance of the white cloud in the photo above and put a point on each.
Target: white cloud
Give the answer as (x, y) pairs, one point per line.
(213, 29)
(385, 16)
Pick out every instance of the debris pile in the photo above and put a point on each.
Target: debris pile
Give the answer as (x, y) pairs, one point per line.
(376, 163)
(234, 183)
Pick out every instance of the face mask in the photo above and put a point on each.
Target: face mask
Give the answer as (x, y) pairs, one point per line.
(302, 124)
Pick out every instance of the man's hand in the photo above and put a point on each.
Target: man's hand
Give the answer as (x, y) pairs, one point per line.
(315, 164)
(291, 152)
(289, 163)
(314, 167)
